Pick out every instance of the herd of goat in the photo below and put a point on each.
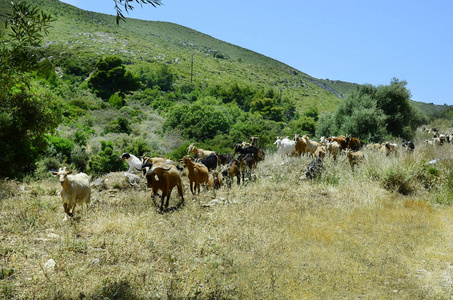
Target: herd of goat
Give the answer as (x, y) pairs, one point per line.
(202, 168)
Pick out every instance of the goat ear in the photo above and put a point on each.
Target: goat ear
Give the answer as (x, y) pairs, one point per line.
(69, 172)
(54, 173)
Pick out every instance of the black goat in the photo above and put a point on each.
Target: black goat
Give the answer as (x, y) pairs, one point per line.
(251, 149)
(210, 162)
(408, 145)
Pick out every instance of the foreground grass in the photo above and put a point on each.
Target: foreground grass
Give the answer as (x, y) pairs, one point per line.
(281, 236)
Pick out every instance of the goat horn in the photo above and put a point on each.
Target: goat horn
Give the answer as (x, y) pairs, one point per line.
(160, 167)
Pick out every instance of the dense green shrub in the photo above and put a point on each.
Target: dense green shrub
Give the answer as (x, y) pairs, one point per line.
(198, 122)
(179, 152)
(373, 113)
(303, 125)
(27, 114)
(233, 93)
(79, 157)
(255, 125)
(161, 78)
(61, 145)
(28, 110)
(82, 134)
(116, 101)
(106, 160)
(112, 77)
(164, 78)
(357, 116)
(268, 108)
(138, 146)
(121, 125)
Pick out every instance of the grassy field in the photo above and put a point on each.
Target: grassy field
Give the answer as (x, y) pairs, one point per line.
(345, 235)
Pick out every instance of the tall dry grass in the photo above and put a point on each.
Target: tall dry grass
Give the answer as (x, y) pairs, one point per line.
(345, 235)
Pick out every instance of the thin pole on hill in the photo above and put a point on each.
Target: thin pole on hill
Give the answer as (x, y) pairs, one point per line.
(191, 70)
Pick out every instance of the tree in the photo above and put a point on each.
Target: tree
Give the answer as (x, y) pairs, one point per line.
(111, 77)
(28, 112)
(128, 6)
(197, 121)
(27, 24)
(394, 100)
(106, 160)
(372, 113)
(357, 115)
(267, 108)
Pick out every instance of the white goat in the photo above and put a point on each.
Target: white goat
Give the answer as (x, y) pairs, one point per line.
(76, 189)
(285, 147)
(135, 164)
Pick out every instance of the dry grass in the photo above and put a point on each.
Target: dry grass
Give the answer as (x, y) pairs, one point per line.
(345, 235)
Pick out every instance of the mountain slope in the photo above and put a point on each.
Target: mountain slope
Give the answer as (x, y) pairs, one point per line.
(89, 36)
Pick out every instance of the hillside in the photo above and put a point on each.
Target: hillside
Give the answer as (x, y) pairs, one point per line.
(88, 36)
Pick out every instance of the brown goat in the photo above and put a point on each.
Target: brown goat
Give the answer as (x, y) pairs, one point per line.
(320, 152)
(341, 140)
(311, 146)
(301, 145)
(198, 174)
(218, 182)
(233, 170)
(354, 157)
(353, 143)
(388, 148)
(334, 149)
(164, 177)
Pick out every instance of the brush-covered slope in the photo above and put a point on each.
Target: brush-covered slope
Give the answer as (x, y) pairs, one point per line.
(88, 36)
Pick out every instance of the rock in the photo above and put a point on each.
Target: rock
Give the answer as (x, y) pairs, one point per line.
(53, 236)
(95, 262)
(133, 179)
(99, 183)
(50, 265)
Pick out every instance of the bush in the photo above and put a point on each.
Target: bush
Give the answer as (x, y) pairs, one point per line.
(121, 125)
(116, 101)
(179, 152)
(28, 113)
(137, 147)
(82, 134)
(303, 125)
(268, 108)
(61, 145)
(106, 160)
(395, 179)
(79, 157)
(111, 77)
(198, 122)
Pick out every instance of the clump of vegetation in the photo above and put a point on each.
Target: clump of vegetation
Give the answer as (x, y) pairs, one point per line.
(106, 160)
(112, 77)
(28, 111)
(374, 114)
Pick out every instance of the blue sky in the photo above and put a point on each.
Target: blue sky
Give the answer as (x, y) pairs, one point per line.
(355, 41)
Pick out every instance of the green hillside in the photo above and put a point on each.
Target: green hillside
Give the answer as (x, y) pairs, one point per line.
(89, 36)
